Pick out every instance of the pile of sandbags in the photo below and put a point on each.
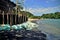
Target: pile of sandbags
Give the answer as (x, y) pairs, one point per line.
(26, 25)
(29, 25)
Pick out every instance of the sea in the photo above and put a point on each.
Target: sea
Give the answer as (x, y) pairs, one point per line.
(51, 27)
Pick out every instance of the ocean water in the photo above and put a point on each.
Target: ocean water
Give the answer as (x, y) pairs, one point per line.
(51, 27)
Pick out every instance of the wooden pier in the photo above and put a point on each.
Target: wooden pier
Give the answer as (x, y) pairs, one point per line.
(7, 16)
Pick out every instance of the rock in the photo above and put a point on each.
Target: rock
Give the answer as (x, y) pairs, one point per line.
(22, 35)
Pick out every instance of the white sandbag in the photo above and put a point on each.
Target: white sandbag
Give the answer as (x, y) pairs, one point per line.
(19, 26)
(0, 28)
(14, 27)
(6, 27)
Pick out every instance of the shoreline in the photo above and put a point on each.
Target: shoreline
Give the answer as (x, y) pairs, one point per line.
(32, 19)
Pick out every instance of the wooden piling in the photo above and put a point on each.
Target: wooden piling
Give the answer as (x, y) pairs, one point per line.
(3, 17)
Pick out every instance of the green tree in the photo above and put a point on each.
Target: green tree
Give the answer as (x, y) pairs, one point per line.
(55, 15)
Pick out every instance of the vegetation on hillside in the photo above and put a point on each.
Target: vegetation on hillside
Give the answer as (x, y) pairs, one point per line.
(55, 15)
(30, 15)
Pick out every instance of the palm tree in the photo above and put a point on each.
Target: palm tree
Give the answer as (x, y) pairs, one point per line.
(18, 9)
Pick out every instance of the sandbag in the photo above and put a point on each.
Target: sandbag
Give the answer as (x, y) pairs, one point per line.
(5, 27)
(14, 27)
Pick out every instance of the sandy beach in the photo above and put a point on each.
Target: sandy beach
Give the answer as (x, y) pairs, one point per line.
(32, 19)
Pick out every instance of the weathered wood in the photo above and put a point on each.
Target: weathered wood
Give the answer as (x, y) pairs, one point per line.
(3, 17)
(7, 19)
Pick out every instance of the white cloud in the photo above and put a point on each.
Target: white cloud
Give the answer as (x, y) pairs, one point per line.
(43, 10)
(47, 1)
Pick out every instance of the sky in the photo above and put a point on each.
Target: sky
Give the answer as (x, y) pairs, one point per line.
(40, 7)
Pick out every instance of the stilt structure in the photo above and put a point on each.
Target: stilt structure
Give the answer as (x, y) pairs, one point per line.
(5, 11)
(7, 16)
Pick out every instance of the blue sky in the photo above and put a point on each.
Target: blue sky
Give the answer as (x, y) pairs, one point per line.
(39, 7)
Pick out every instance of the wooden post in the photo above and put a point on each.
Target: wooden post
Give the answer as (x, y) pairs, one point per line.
(10, 19)
(3, 17)
(7, 19)
(16, 12)
(23, 17)
(15, 19)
